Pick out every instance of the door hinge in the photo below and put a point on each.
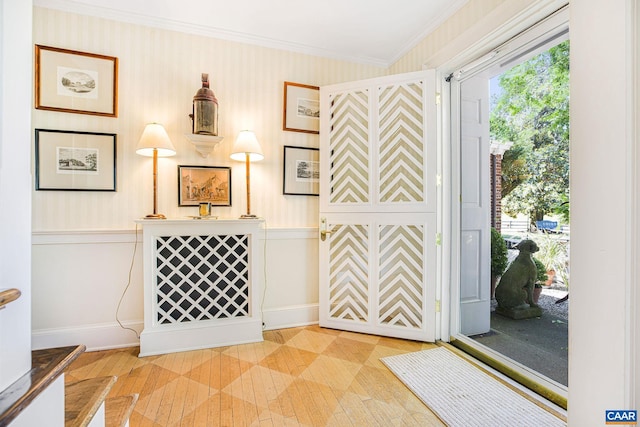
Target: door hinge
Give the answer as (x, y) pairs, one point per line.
(438, 98)
(438, 239)
(437, 306)
(438, 180)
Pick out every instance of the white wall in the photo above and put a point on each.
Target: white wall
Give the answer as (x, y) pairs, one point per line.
(603, 146)
(635, 276)
(83, 241)
(78, 281)
(15, 186)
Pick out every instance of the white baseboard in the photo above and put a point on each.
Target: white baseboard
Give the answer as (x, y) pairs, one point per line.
(196, 335)
(94, 337)
(111, 336)
(290, 317)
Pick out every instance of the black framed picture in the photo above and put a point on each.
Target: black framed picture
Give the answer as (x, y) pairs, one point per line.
(301, 172)
(75, 161)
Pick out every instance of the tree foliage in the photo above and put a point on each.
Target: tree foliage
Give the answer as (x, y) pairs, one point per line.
(532, 110)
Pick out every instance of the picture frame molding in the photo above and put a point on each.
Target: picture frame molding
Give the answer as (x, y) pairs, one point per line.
(185, 201)
(47, 95)
(51, 177)
(291, 120)
(289, 172)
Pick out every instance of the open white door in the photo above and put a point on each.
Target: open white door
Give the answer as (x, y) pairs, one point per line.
(475, 237)
(378, 206)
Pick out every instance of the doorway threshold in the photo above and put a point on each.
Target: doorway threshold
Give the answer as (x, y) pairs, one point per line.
(543, 386)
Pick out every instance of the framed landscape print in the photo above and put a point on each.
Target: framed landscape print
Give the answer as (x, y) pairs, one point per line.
(76, 82)
(301, 175)
(198, 184)
(80, 161)
(301, 108)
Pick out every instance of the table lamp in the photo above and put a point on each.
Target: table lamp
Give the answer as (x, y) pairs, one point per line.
(246, 148)
(156, 143)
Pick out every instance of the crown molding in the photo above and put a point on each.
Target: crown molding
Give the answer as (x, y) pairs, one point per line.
(201, 30)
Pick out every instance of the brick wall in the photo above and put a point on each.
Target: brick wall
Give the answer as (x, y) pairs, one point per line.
(496, 190)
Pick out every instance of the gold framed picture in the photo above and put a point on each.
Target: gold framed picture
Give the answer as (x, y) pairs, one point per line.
(301, 108)
(76, 82)
(198, 184)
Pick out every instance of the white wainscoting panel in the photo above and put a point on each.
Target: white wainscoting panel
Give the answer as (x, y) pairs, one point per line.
(79, 278)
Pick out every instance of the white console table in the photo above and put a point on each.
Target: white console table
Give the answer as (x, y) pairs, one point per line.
(202, 283)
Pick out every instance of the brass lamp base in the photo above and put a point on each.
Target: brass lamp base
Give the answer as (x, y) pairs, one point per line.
(155, 216)
(248, 216)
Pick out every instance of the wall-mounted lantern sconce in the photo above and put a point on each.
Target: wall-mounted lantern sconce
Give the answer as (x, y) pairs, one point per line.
(204, 116)
(204, 120)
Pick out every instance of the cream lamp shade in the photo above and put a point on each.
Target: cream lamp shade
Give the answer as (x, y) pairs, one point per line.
(155, 137)
(246, 144)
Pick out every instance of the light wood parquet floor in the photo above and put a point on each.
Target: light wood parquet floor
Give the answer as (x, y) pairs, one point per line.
(306, 376)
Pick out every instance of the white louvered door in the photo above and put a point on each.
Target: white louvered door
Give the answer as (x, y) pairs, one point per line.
(378, 206)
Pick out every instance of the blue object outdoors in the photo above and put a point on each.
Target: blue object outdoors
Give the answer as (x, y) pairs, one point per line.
(546, 225)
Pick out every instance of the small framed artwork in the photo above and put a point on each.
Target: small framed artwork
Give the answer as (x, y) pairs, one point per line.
(301, 108)
(301, 171)
(76, 82)
(80, 161)
(198, 184)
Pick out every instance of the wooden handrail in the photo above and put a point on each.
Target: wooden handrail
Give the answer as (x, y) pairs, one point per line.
(8, 295)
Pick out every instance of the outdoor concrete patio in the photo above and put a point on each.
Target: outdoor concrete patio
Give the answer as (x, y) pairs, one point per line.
(539, 343)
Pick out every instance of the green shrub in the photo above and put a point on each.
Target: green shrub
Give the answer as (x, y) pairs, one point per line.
(541, 272)
(498, 253)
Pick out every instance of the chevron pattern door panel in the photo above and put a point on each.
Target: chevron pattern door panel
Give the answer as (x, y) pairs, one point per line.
(378, 192)
(349, 273)
(401, 143)
(401, 275)
(349, 168)
(201, 278)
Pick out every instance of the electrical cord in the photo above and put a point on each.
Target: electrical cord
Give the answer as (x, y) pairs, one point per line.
(264, 272)
(133, 257)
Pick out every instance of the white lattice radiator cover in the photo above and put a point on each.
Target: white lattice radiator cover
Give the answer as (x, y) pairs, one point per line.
(200, 286)
(201, 277)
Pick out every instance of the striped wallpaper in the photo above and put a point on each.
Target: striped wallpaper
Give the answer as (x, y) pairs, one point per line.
(159, 73)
